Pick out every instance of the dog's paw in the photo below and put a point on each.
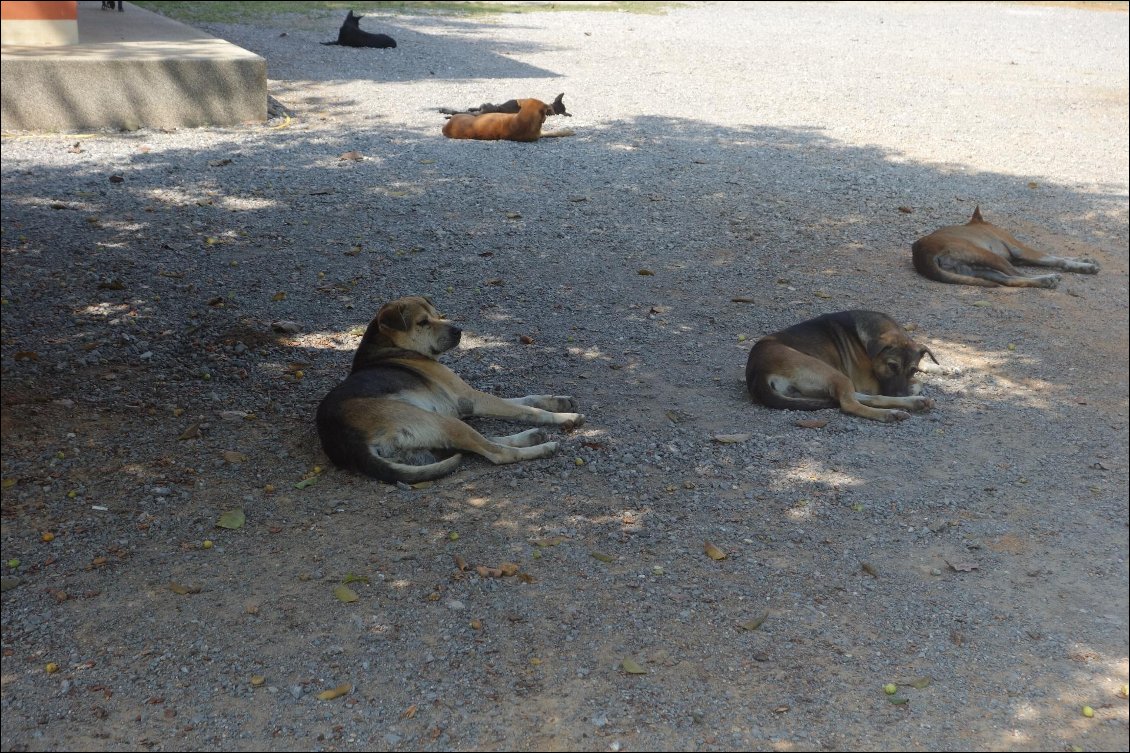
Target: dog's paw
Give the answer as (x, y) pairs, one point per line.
(1088, 267)
(571, 421)
(563, 404)
(1049, 281)
(923, 404)
(897, 415)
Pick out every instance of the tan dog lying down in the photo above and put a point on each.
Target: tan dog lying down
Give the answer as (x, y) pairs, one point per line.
(860, 361)
(525, 125)
(979, 253)
(399, 404)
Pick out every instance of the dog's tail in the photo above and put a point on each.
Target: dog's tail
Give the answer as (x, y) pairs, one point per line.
(348, 447)
(392, 471)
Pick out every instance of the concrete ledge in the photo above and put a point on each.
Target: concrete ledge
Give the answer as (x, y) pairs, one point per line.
(131, 70)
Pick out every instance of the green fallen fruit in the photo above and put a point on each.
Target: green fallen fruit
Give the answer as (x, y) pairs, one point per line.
(890, 688)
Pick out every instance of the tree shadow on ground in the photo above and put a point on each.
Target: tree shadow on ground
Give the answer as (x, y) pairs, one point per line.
(623, 272)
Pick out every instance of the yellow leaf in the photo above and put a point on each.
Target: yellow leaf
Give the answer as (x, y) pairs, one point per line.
(632, 667)
(338, 692)
(713, 552)
(345, 594)
(755, 623)
(232, 519)
(279, 296)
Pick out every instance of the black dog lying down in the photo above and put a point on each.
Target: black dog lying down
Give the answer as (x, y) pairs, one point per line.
(351, 35)
(509, 106)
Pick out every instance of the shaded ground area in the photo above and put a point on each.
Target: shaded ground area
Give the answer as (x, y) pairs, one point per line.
(974, 556)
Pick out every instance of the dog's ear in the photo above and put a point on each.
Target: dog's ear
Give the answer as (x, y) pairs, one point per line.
(394, 316)
(924, 351)
(977, 215)
(875, 349)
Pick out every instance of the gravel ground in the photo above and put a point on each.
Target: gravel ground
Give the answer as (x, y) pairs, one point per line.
(975, 556)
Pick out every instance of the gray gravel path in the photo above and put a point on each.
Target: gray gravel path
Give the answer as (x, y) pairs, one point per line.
(975, 556)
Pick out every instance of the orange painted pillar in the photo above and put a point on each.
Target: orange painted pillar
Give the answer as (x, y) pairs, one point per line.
(41, 23)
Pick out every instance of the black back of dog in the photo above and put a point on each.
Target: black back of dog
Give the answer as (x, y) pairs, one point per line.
(351, 35)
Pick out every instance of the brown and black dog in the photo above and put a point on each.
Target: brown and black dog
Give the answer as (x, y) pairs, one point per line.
(860, 361)
(510, 105)
(979, 253)
(399, 403)
(524, 125)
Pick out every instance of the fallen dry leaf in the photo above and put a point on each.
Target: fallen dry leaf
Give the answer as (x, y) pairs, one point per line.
(345, 594)
(755, 623)
(963, 567)
(731, 438)
(338, 692)
(234, 457)
(354, 156)
(713, 552)
(812, 423)
(177, 588)
(192, 432)
(632, 667)
(232, 519)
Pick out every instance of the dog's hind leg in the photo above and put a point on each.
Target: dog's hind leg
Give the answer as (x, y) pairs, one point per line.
(808, 384)
(527, 438)
(989, 269)
(509, 449)
(543, 410)
(1028, 255)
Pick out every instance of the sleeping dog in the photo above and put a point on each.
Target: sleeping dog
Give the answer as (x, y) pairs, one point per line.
(859, 361)
(979, 253)
(524, 125)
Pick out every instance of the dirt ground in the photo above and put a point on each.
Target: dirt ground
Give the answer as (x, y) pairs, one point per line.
(176, 304)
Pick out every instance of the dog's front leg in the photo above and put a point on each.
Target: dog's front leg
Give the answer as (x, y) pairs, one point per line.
(543, 410)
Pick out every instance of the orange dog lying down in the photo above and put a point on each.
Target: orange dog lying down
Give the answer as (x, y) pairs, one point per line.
(525, 125)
